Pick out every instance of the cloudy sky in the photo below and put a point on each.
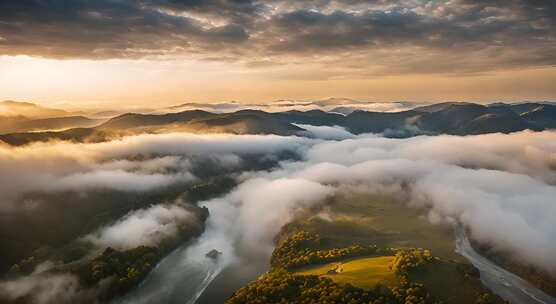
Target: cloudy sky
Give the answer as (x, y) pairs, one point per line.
(151, 52)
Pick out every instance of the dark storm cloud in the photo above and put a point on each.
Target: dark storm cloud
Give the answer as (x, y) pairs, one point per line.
(400, 36)
(236, 11)
(466, 25)
(343, 30)
(104, 29)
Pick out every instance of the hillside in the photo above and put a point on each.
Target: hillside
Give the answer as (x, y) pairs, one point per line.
(542, 115)
(368, 250)
(466, 119)
(133, 120)
(75, 135)
(20, 124)
(444, 118)
(244, 124)
(9, 108)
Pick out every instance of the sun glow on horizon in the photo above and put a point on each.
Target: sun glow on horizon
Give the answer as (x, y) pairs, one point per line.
(152, 83)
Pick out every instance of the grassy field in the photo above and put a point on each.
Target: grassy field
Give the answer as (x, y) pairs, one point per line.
(378, 220)
(364, 273)
(365, 220)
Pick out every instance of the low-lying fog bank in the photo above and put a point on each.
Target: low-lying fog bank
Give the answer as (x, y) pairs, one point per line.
(473, 180)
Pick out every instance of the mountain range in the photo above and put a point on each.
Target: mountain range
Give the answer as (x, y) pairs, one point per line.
(443, 118)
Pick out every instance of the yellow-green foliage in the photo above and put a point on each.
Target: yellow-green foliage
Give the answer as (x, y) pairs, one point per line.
(355, 281)
(363, 273)
(410, 293)
(126, 268)
(406, 260)
(280, 286)
(301, 249)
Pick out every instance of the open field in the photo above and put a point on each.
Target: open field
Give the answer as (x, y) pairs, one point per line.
(371, 219)
(364, 273)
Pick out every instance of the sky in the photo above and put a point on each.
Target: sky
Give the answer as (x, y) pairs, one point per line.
(162, 52)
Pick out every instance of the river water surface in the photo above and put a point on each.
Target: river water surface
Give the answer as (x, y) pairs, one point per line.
(184, 275)
(500, 281)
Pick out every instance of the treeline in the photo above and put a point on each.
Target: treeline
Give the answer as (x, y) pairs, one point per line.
(113, 271)
(119, 271)
(281, 286)
(301, 248)
(410, 259)
(124, 269)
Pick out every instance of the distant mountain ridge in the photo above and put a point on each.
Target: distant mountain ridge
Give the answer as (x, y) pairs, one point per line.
(10, 108)
(340, 105)
(47, 124)
(443, 118)
(20, 117)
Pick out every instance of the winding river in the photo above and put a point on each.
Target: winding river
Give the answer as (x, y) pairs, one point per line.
(181, 278)
(500, 281)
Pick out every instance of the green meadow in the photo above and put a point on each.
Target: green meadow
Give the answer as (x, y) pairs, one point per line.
(366, 220)
(364, 273)
(379, 220)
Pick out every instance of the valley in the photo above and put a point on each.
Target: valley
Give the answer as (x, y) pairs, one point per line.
(138, 201)
(277, 152)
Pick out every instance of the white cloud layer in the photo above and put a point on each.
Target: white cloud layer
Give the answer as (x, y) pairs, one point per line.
(501, 187)
(145, 227)
(135, 164)
(475, 180)
(249, 217)
(327, 132)
(46, 289)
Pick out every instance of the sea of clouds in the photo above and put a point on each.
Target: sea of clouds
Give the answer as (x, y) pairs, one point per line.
(501, 187)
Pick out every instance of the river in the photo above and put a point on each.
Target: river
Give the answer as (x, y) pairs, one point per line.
(500, 281)
(184, 276)
(181, 277)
